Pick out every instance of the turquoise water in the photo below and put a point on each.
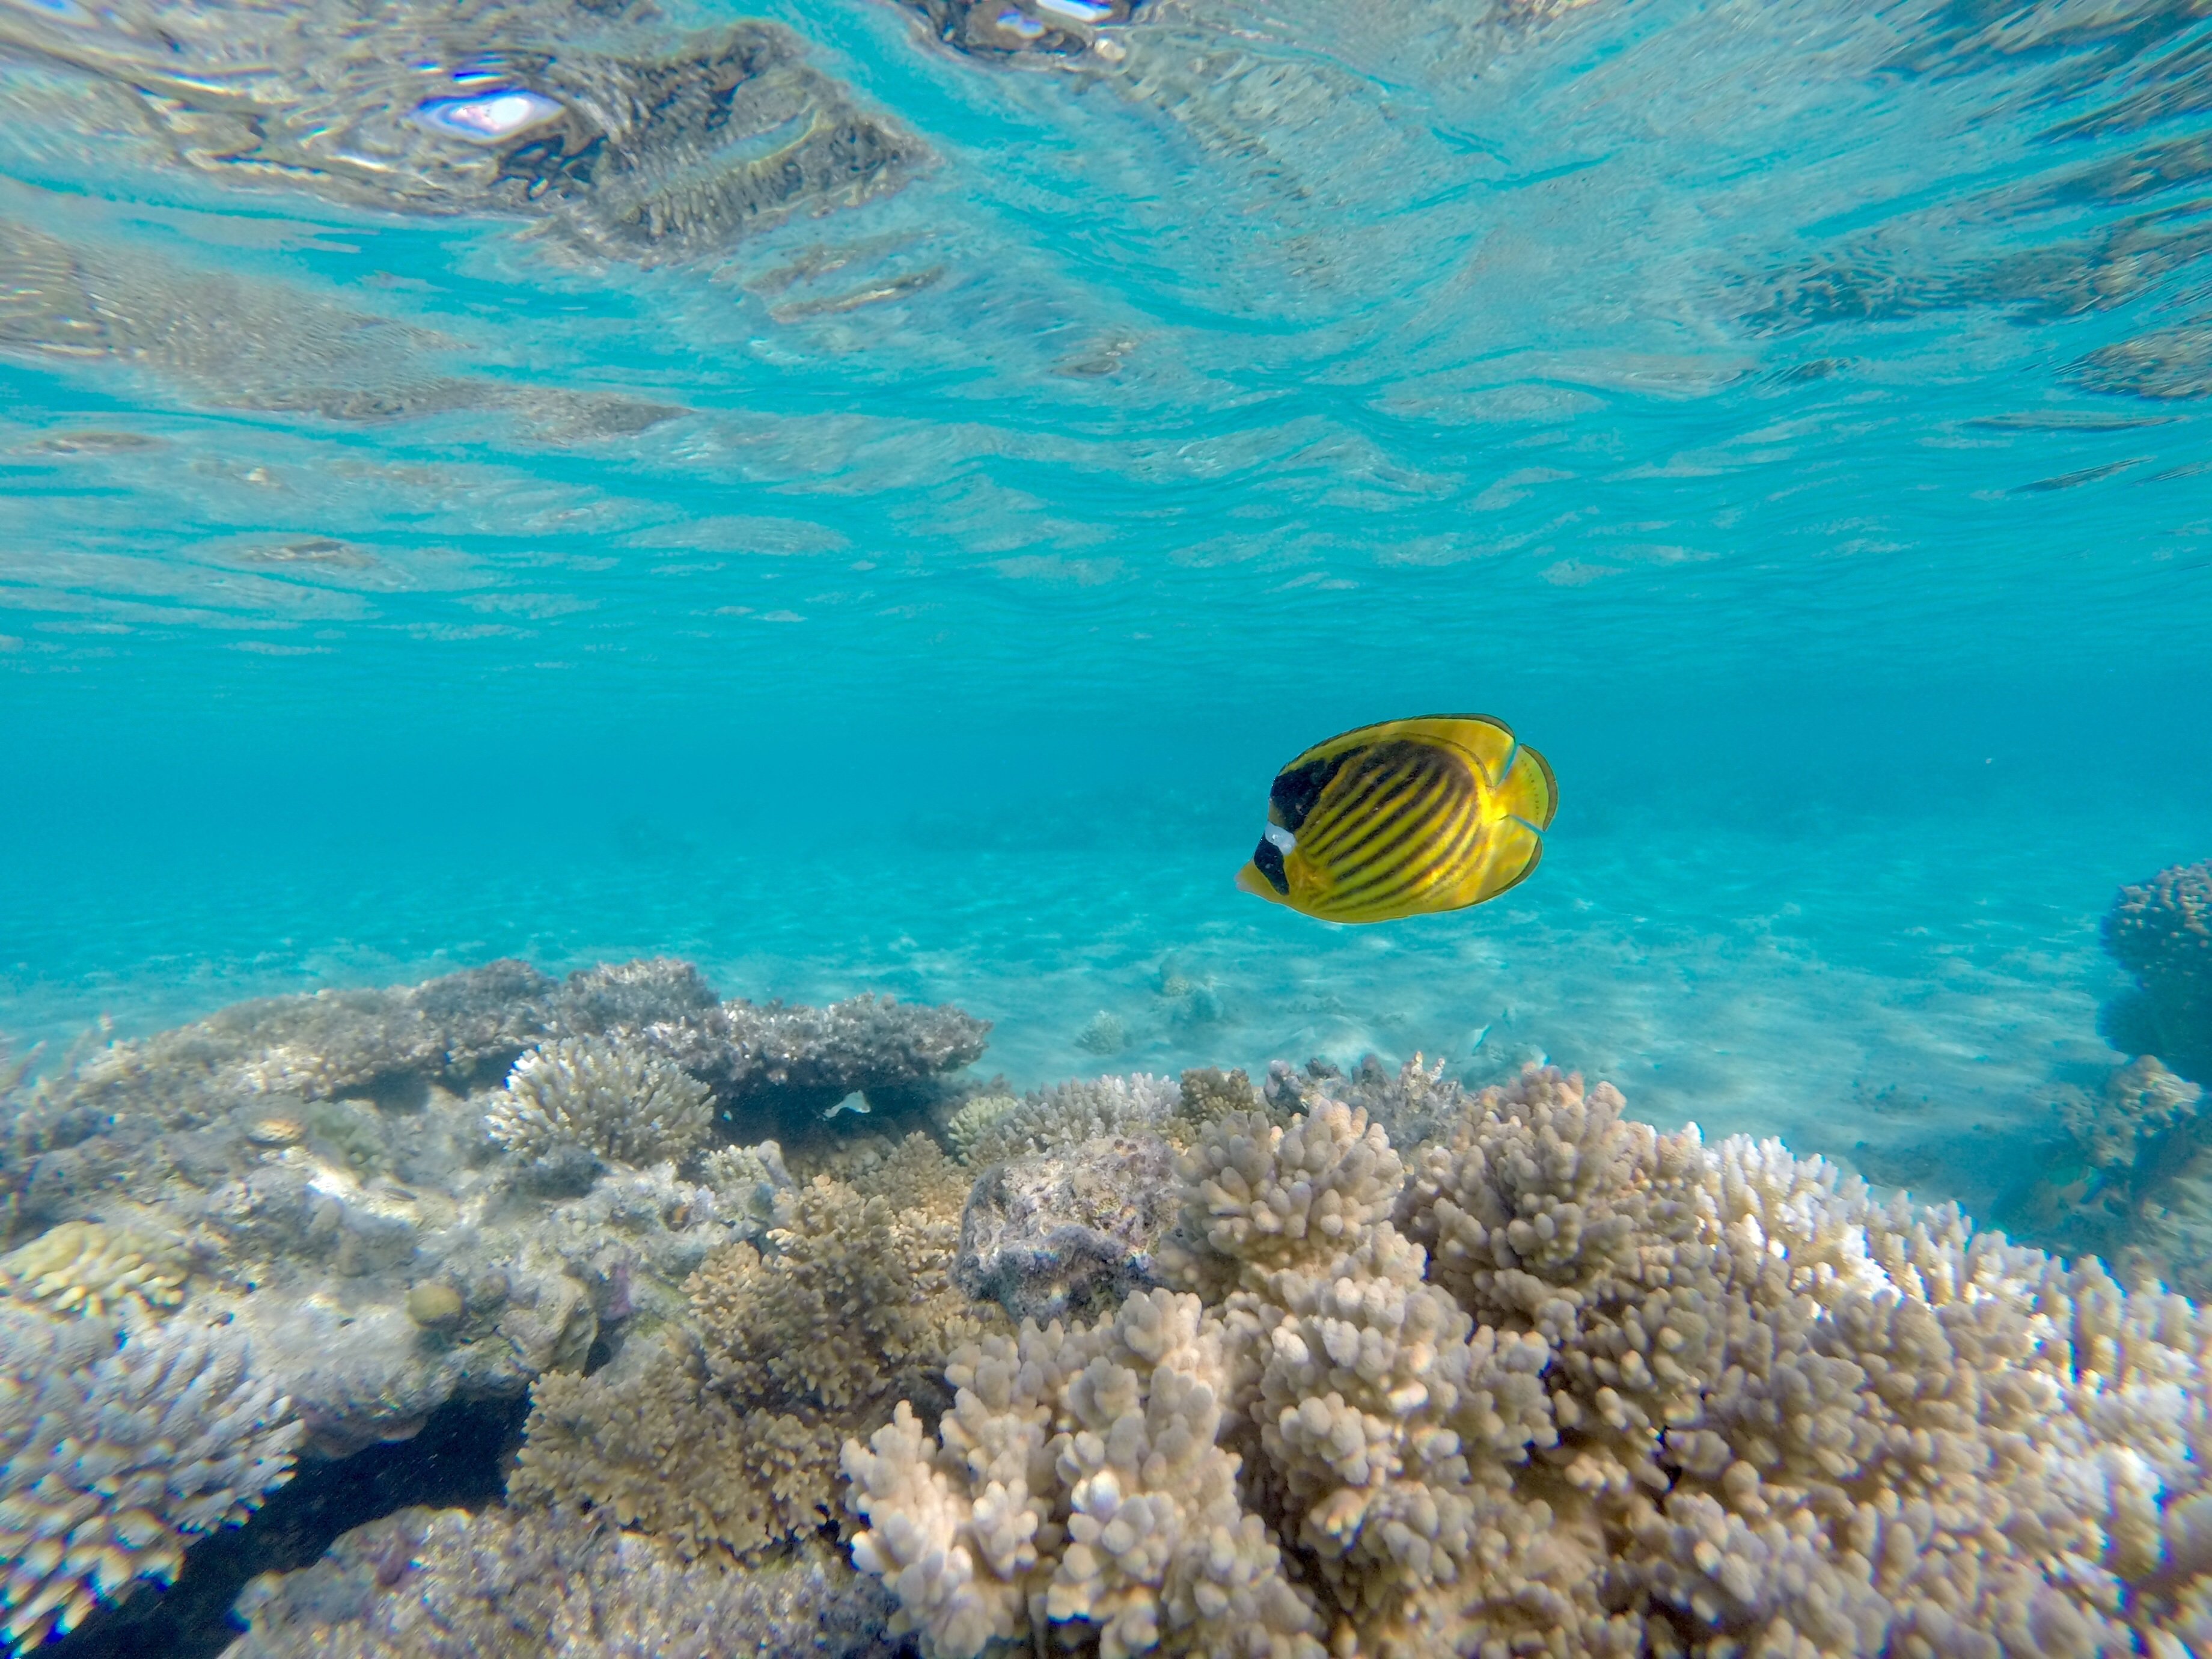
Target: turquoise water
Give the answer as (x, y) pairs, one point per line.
(1789, 416)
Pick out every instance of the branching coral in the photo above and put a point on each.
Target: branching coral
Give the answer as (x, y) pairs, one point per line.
(726, 1440)
(967, 1125)
(112, 1460)
(1575, 1388)
(84, 1267)
(1075, 1112)
(1078, 1480)
(617, 1101)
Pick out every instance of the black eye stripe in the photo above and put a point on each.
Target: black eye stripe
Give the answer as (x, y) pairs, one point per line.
(1269, 860)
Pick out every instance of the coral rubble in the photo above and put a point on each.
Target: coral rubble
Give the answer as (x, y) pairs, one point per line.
(113, 1459)
(1562, 1386)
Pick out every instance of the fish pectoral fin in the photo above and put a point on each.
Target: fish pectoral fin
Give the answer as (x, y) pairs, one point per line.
(1528, 790)
(1528, 865)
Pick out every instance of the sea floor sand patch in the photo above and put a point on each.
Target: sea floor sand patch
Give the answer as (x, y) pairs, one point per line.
(1907, 1013)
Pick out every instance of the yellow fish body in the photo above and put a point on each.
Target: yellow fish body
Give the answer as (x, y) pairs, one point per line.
(1404, 818)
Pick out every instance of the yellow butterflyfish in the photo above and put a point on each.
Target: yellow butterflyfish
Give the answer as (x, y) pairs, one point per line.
(1404, 818)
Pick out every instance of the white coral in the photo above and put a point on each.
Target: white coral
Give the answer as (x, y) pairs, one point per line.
(1077, 1478)
(1639, 1395)
(111, 1460)
(613, 1099)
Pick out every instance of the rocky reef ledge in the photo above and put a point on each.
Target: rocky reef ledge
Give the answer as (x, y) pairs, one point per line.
(1343, 1364)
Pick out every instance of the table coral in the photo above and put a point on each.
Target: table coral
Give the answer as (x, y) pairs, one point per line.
(610, 1098)
(1559, 1383)
(112, 1459)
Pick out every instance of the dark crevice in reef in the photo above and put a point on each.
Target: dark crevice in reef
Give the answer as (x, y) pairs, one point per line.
(459, 1460)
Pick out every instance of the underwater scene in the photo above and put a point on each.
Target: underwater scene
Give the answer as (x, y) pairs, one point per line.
(1257, 829)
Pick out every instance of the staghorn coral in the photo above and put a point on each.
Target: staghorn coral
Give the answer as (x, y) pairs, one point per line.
(1075, 1112)
(445, 1584)
(725, 1441)
(617, 1100)
(112, 1460)
(2160, 930)
(84, 1267)
(1572, 1387)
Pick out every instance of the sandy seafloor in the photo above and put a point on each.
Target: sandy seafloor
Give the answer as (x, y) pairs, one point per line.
(1902, 998)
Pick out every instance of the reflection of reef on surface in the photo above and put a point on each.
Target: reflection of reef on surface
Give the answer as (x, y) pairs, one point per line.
(1001, 28)
(2165, 362)
(569, 115)
(234, 342)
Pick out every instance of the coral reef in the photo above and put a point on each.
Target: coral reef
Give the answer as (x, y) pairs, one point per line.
(1102, 1034)
(2133, 1183)
(445, 1584)
(2160, 930)
(113, 1459)
(1071, 1112)
(796, 1059)
(331, 1170)
(82, 1266)
(1068, 1233)
(724, 1441)
(620, 1101)
(1077, 1478)
(1566, 1386)
(966, 1126)
(616, 139)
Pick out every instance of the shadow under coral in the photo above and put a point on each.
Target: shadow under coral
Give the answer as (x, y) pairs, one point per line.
(458, 1460)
